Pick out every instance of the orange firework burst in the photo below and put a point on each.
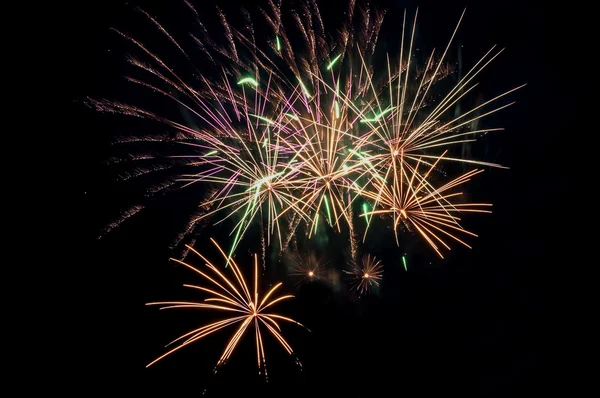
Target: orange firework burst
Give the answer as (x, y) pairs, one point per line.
(366, 274)
(414, 202)
(297, 126)
(232, 296)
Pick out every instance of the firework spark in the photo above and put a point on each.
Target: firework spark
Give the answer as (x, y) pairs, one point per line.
(249, 309)
(302, 128)
(416, 203)
(257, 175)
(366, 274)
(308, 268)
(406, 122)
(318, 143)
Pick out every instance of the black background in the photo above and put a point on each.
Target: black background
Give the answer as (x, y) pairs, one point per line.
(472, 324)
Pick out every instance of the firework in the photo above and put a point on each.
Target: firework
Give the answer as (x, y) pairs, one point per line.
(324, 169)
(298, 128)
(327, 83)
(232, 295)
(417, 204)
(366, 274)
(408, 123)
(246, 122)
(308, 268)
(255, 175)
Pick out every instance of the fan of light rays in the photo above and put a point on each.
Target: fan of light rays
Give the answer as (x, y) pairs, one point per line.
(366, 274)
(257, 175)
(323, 92)
(246, 308)
(406, 125)
(297, 123)
(308, 268)
(415, 203)
(324, 169)
(236, 149)
(322, 126)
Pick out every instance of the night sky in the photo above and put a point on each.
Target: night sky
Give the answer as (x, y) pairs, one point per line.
(472, 323)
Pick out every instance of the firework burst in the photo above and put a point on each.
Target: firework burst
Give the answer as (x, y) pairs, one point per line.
(415, 203)
(232, 296)
(257, 174)
(366, 274)
(297, 127)
(308, 268)
(407, 122)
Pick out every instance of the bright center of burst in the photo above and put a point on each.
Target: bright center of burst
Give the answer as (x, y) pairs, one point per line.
(310, 273)
(403, 212)
(395, 153)
(366, 275)
(269, 186)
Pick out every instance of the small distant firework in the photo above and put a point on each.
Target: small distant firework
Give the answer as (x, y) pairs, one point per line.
(366, 274)
(232, 295)
(308, 268)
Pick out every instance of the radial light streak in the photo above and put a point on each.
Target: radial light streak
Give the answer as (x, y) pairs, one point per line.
(308, 268)
(257, 176)
(417, 204)
(366, 274)
(322, 172)
(248, 309)
(319, 139)
(412, 126)
(301, 134)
